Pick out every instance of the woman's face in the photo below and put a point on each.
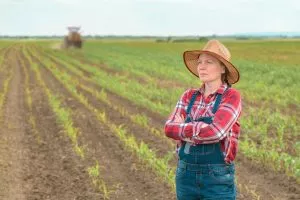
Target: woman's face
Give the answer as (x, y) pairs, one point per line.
(209, 68)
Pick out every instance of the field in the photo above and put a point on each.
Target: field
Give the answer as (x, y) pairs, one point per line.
(88, 124)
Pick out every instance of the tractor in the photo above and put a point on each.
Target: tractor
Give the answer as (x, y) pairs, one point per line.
(73, 39)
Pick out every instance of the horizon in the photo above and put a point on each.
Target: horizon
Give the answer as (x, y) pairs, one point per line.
(250, 34)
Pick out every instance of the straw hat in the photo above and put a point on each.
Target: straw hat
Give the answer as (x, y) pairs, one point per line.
(219, 51)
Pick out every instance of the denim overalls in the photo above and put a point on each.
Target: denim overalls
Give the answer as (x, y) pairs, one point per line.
(202, 173)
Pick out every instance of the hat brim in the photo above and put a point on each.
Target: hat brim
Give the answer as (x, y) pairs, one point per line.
(191, 62)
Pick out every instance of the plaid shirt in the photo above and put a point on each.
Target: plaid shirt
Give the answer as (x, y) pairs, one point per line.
(225, 127)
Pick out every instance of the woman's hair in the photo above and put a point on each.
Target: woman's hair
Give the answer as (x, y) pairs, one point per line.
(224, 76)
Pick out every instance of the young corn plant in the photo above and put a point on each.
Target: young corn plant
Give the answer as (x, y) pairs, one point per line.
(94, 173)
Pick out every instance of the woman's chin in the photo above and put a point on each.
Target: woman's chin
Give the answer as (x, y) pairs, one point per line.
(204, 80)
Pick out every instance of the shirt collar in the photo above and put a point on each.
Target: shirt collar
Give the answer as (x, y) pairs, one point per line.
(220, 90)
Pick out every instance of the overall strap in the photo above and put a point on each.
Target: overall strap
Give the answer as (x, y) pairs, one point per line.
(188, 119)
(218, 101)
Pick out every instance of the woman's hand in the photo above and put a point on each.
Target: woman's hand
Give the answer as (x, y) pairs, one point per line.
(204, 125)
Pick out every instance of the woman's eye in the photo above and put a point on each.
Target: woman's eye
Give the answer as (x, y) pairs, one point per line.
(206, 61)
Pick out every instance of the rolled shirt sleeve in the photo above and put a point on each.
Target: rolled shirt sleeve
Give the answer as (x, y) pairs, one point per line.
(177, 130)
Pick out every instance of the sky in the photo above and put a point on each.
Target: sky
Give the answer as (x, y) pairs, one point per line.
(148, 17)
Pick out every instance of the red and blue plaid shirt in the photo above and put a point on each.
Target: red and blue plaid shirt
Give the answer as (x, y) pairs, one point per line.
(225, 127)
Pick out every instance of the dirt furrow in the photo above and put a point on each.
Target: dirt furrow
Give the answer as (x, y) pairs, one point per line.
(12, 135)
(155, 118)
(55, 171)
(102, 66)
(156, 143)
(120, 169)
(5, 70)
(266, 183)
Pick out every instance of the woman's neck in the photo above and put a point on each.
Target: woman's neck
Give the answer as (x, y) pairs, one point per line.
(212, 87)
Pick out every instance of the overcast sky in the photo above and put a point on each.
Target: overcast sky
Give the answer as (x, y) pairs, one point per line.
(148, 17)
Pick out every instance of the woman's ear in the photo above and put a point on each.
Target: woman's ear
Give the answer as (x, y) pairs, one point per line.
(223, 68)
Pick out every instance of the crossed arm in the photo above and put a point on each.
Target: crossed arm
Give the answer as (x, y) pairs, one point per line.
(200, 132)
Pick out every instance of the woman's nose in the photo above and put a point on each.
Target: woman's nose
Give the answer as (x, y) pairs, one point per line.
(201, 66)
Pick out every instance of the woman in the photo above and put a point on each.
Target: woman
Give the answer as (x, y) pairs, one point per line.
(205, 125)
